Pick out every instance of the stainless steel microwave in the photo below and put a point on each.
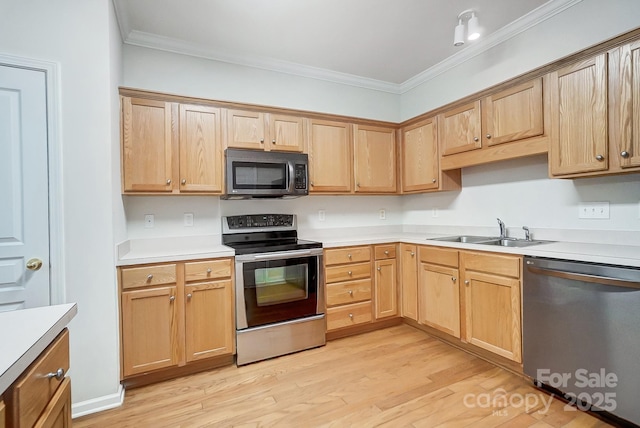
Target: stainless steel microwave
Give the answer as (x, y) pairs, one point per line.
(257, 174)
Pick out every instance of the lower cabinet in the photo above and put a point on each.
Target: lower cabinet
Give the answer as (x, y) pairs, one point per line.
(439, 292)
(361, 286)
(472, 296)
(409, 280)
(492, 302)
(41, 396)
(175, 314)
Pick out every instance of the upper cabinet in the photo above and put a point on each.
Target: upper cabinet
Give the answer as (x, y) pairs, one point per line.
(264, 131)
(420, 169)
(147, 151)
(330, 158)
(579, 118)
(375, 159)
(170, 147)
(506, 124)
(624, 105)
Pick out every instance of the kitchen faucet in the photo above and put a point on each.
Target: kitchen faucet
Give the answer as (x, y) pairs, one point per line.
(527, 233)
(503, 229)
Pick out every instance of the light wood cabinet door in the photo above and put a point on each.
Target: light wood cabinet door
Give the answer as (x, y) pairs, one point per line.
(3, 416)
(201, 151)
(409, 280)
(624, 105)
(330, 158)
(209, 320)
(149, 329)
(147, 155)
(286, 133)
(420, 157)
(439, 295)
(459, 129)
(492, 314)
(246, 129)
(57, 414)
(513, 114)
(579, 118)
(386, 290)
(375, 159)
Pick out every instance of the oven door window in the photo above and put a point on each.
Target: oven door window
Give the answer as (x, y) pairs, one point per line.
(259, 175)
(280, 290)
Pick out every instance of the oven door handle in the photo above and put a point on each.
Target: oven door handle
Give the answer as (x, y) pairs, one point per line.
(278, 255)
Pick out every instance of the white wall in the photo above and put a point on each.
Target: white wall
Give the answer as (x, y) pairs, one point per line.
(186, 75)
(583, 25)
(76, 34)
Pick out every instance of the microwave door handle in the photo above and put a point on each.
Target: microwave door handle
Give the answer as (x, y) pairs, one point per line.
(292, 177)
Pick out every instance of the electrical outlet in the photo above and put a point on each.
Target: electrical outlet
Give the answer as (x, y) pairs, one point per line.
(382, 214)
(321, 215)
(188, 219)
(594, 210)
(434, 212)
(149, 221)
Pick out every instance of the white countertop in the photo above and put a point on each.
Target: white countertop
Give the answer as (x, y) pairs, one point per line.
(134, 252)
(25, 334)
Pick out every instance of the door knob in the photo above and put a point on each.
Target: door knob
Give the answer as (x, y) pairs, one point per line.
(34, 264)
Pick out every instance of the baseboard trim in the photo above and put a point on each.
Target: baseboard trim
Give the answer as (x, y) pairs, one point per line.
(98, 404)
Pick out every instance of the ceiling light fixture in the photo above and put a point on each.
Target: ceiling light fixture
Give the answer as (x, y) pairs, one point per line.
(473, 27)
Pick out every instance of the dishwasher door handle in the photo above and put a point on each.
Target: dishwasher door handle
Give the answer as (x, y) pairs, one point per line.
(584, 277)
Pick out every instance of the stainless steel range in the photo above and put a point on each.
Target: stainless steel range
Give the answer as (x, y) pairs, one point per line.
(279, 286)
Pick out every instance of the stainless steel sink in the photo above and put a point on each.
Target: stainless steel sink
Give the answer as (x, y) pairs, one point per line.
(465, 239)
(512, 242)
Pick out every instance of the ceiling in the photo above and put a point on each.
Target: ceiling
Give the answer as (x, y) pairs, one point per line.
(382, 44)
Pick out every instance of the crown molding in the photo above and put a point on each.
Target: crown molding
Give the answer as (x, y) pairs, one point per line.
(507, 32)
(153, 41)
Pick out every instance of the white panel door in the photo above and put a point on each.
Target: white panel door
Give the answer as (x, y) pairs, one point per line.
(24, 193)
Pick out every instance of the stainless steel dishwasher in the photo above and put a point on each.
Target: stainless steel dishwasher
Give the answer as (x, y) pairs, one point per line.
(581, 333)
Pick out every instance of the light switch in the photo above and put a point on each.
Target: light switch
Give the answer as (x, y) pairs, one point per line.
(188, 219)
(594, 210)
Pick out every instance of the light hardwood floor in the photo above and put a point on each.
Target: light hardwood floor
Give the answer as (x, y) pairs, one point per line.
(396, 377)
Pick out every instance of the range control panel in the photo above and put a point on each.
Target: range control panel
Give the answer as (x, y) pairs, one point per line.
(260, 221)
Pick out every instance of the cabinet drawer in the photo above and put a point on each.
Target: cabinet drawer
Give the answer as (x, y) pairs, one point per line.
(348, 315)
(209, 269)
(496, 264)
(439, 256)
(31, 393)
(348, 292)
(348, 272)
(385, 252)
(148, 275)
(337, 256)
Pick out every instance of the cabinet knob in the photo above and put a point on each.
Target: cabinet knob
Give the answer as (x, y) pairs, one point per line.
(599, 157)
(261, 140)
(311, 183)
(476, 139)
(58, 374)
(488, 136)
(183, 182)
(168, 182)
(379, 269)
(453, 278)
(413, 254)
(149, 277)
(172, 298)
(624, 154)
(351, 316)
(189, 295)
(357, 184)
(273, 141)
(349, 273)
(466, 282)
(349, 255)
(386, 252)
(433, 180)
(350, 292)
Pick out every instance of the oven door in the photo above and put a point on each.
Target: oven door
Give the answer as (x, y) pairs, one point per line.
(279, 286)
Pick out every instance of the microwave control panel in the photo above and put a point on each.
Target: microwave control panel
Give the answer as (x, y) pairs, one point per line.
(300, 180)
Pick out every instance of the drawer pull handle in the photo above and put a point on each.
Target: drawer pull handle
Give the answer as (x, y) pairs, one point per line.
(209, 270)
(350, 292)
(58, 374)
(349, 255)
(349, 273)
(386, 252)
(149, 277)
